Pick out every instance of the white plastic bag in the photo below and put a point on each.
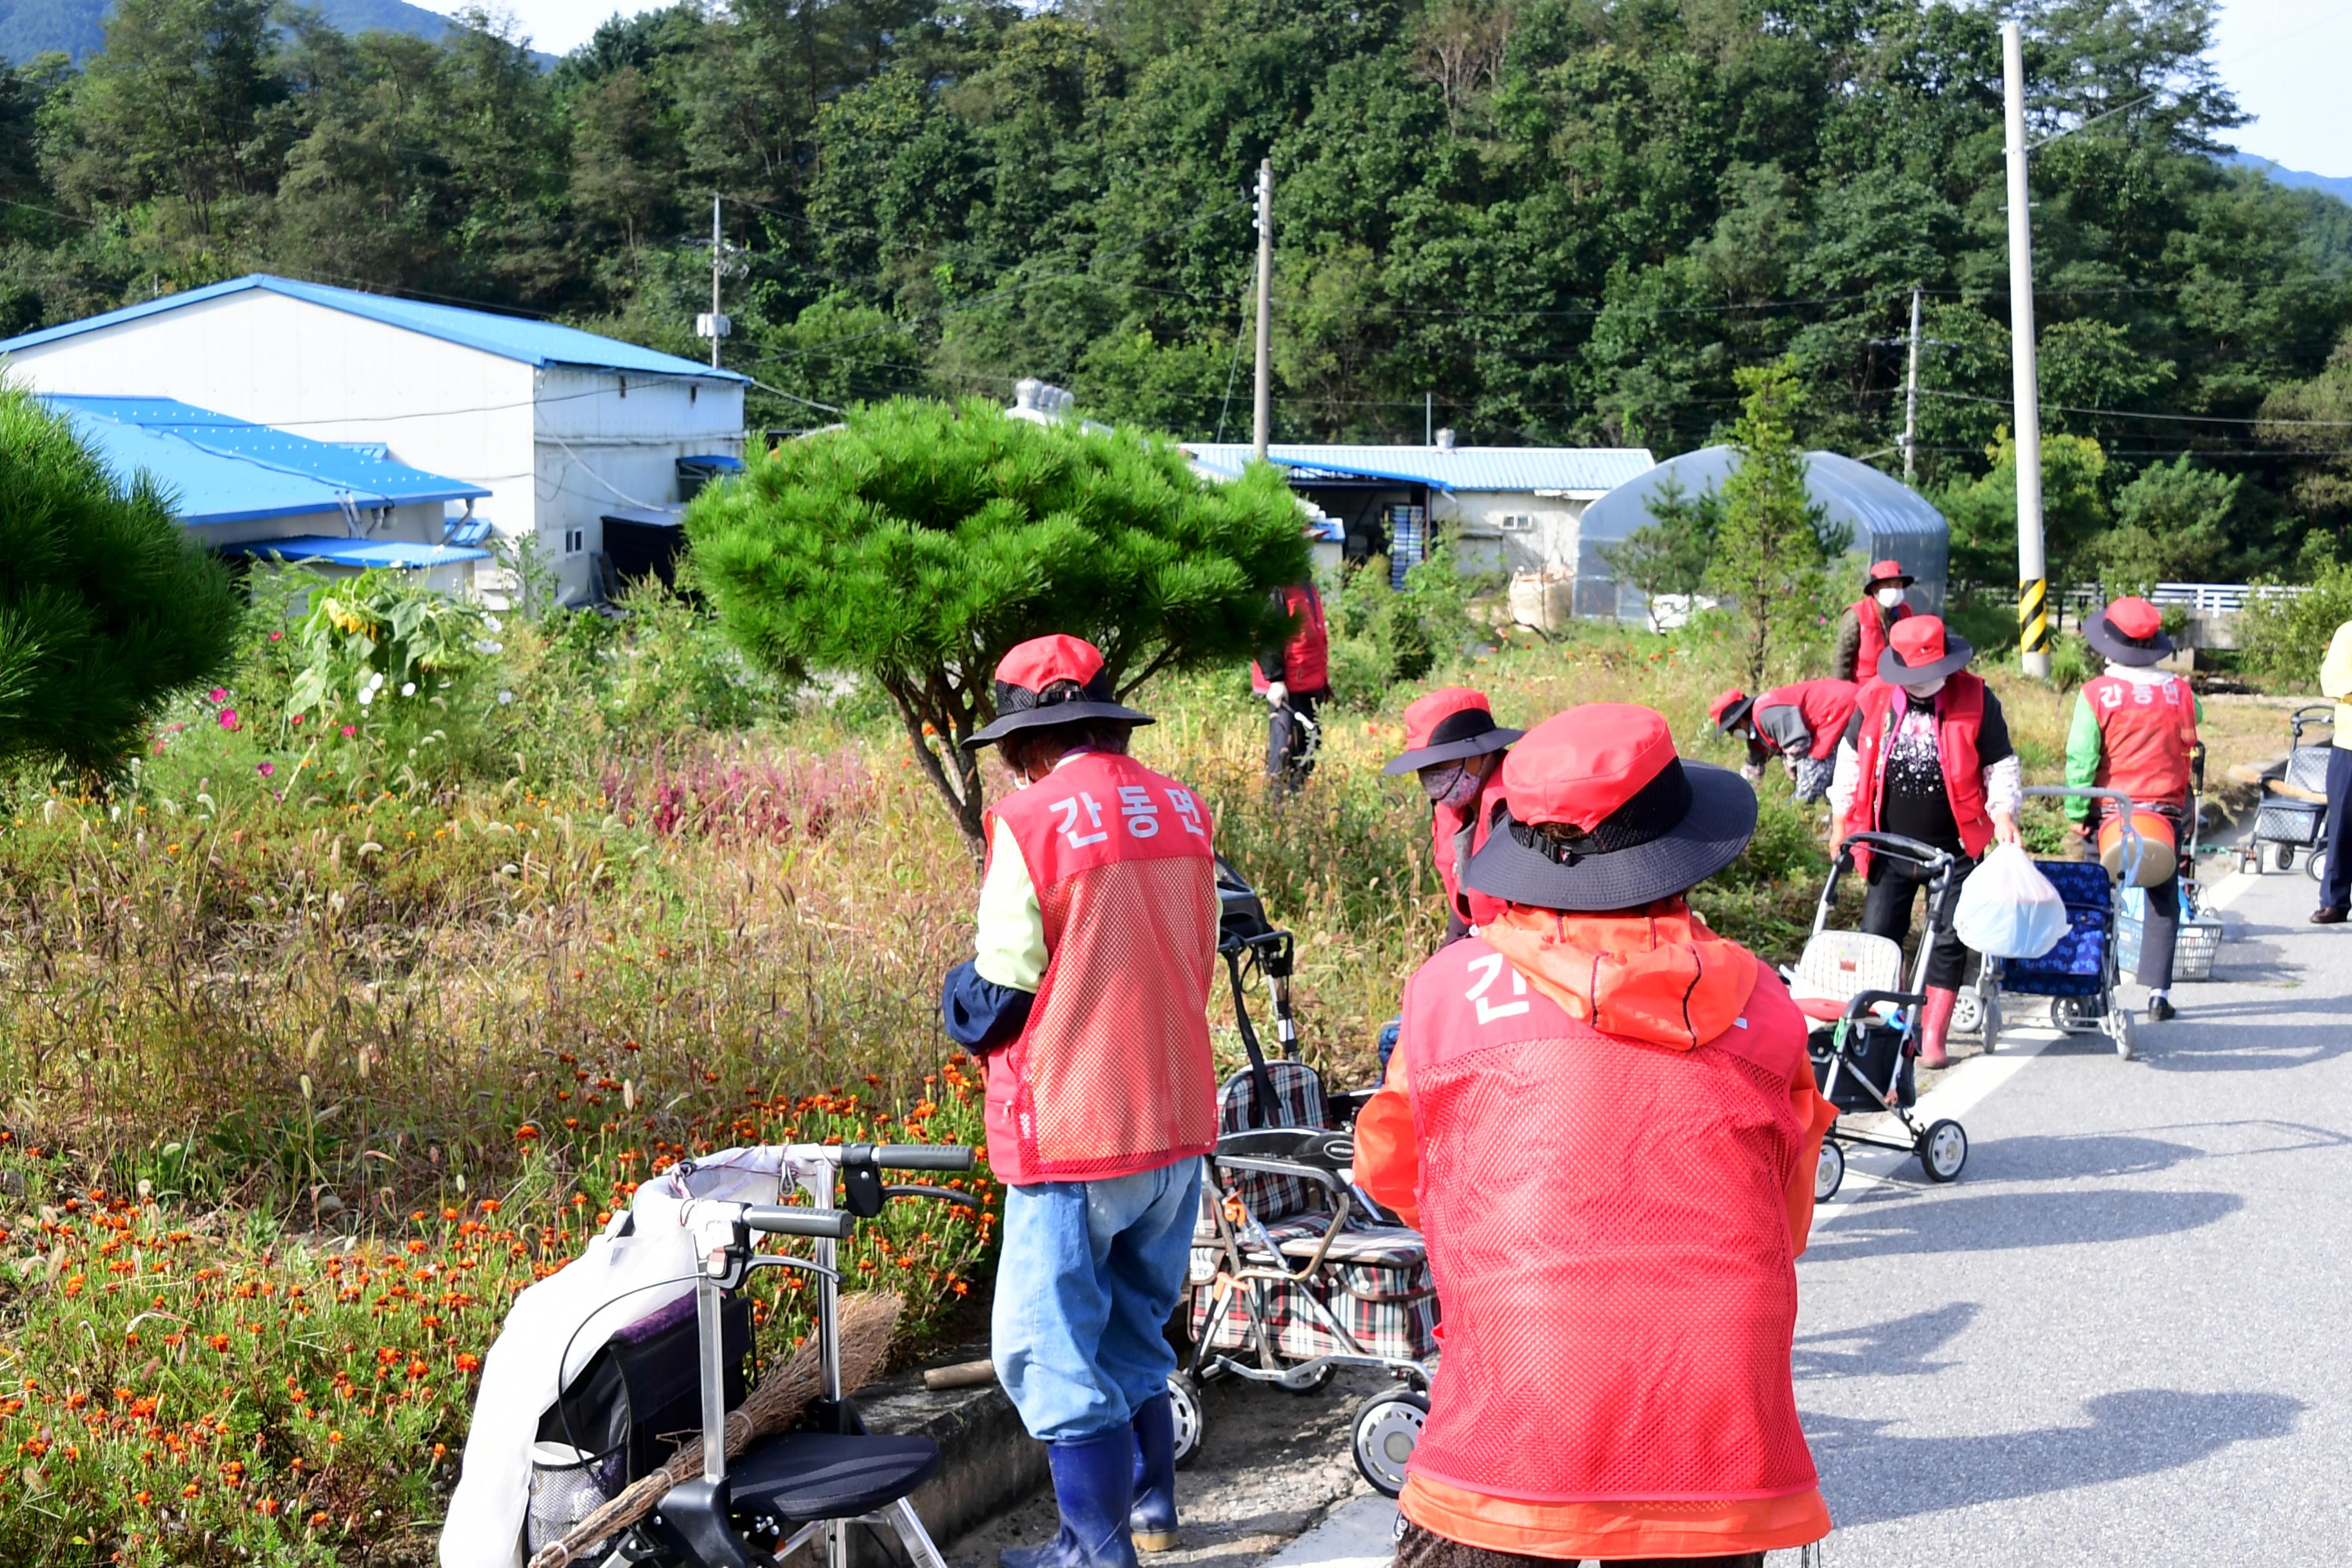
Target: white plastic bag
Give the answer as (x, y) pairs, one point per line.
(2008, 907)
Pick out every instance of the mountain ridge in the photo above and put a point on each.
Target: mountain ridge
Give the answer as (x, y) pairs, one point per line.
(2336, 185)
(77, 28)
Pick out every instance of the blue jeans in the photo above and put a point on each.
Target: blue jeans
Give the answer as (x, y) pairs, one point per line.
(1089, 1274)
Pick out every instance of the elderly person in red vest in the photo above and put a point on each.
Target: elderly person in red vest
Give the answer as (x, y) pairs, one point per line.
(2135, 730)
(1927, 756)
(1801, 725)
(1087, 997)
(1601, 1116)
(1862, 630)
(1295, 679)
(1454, 744)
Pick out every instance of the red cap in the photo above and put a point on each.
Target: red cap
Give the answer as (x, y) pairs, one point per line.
(1580, 766)
(1883, 571)
(1424, 714)
(1038, 663)
(1917, 639)
(2135, 617)
(1725, 703)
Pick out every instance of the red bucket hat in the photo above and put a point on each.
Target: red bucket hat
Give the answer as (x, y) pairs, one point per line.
(1730, 710)
(1886, 572)
(1600, 814)
(1449, 724)
(1053, 679)
(2130, 631)
(1919, 650)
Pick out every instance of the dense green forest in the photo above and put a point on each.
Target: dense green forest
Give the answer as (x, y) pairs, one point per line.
(1563, 220)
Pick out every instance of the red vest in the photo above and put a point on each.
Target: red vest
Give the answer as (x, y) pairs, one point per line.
(2144, 736)
(1827, 705)
(1307, 661)
(1113, 1073)
(1873, 622)
(1960, 717)
(1608, 1225)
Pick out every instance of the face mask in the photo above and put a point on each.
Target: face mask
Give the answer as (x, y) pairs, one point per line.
(1890, 597)
(1451, 783)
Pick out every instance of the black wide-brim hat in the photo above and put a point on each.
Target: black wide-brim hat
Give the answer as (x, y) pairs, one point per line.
(1450, 726)
(2110, 643)
(1687, 823)
(1056, 679)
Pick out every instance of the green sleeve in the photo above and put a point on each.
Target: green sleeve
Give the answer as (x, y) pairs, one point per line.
(2083, 743)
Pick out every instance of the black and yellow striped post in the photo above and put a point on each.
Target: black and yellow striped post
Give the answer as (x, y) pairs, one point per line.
(2033, 616)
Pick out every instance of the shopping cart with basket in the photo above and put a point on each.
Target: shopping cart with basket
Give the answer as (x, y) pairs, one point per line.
(2199, 942)
(1865, 1021)
(2079, 975)
(2292, 818)
(1296, 1272)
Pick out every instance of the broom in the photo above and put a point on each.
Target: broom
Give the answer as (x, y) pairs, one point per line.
(867, 1322)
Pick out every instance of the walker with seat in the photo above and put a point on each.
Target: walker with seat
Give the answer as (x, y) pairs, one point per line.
(1296, 1272)
(1867, 1023)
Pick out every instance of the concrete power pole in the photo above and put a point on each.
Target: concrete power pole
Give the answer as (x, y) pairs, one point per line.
(1911, 398)
(718, 261)
(2032, 576)
(1262, 421)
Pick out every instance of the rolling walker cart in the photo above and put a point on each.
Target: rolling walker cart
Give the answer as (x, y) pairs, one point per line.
(2079, 975)
(1295, 1272)
(790, 1489)
(2293, 816)
(1866, 1026)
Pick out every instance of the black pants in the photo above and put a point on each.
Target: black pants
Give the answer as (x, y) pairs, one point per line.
(2159, 933)
(1893, 889)
(1419, 1548)
(1287, 762)
(2336, 885)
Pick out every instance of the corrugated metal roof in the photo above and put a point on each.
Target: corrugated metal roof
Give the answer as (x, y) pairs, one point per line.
(1578, 470)
(509, 337)
(220, 469)
(361, 552)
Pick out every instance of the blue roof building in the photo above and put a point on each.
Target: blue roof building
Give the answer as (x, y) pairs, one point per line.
(554, 430)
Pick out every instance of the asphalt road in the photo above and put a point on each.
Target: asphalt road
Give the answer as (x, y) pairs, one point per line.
(2116, 1339)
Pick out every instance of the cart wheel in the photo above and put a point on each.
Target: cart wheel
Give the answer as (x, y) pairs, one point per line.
(2316, 862)
(2120, 1029)
(1943, 1150)
(1830, 1173)
(1991, 1007)
(2285, 856)
(1388, 1429)
(1315, 1384)
(1968, 1013)
(2069, 1013)
(1185, 1404)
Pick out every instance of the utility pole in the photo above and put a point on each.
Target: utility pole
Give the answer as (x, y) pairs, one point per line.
(1911, 397)
(715, 325)
(1262, 422)
(2032, 575)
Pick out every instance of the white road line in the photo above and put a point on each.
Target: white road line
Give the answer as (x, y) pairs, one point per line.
(1359, 1533)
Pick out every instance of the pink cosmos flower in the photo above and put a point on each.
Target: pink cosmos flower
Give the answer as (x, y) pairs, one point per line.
(265, 768)
(278, 637)
(349, 730)
(295, 721)
(229, 721)
(218, 695)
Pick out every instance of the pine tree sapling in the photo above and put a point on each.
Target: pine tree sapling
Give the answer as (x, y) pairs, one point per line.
(917, 542)
(1667, 557)
(1773, 540)
(106, 606)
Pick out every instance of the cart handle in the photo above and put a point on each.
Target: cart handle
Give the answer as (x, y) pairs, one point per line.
(1894, 844)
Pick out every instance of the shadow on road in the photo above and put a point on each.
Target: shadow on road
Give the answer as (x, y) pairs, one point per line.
(1869, 1476)
(1898, 1347)
(2240, 1045)
(2065, 1156)
(1993, 1220)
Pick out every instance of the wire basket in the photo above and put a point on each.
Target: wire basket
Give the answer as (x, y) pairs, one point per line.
(567, 1485)
(2193, 950)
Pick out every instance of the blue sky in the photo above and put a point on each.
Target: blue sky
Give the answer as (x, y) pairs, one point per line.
(2286, 59)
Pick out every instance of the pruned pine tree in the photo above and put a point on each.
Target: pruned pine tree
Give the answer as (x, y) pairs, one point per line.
(107, 606)
(1773, 541)
(920, 540)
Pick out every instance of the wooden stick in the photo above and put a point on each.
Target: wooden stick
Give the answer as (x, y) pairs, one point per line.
(867, 1322)
(962, 1374)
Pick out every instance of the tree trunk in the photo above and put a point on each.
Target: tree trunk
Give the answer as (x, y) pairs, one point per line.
(962, 792)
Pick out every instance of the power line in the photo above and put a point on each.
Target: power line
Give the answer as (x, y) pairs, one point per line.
(2131, 414)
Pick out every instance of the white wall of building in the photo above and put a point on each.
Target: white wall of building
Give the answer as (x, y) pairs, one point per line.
(552, 445)
(1512, 531)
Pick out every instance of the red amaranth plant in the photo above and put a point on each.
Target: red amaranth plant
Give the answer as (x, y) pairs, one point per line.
(729, 790)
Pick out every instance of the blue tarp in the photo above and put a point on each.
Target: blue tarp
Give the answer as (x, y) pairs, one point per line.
(357, 552)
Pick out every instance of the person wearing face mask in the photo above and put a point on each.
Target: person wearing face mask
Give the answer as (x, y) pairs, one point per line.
(1927, 756)
(1096, 947)
(1862, 630)
(1454, 744)
(1801, 724)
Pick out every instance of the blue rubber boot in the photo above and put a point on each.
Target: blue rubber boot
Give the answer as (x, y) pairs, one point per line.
(1153, 1521)
(1094, 1486)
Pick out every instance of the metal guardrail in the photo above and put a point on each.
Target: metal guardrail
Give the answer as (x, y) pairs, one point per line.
(2198, 598)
